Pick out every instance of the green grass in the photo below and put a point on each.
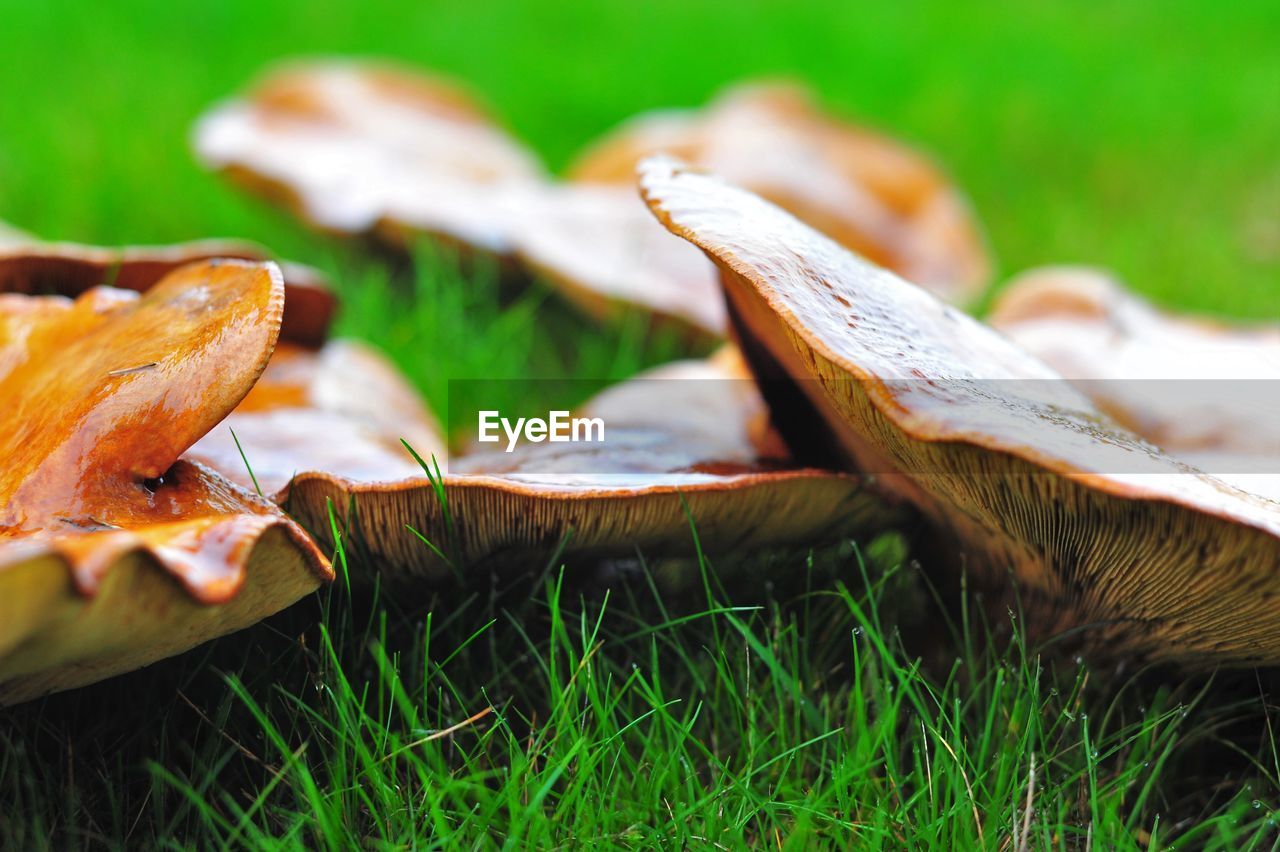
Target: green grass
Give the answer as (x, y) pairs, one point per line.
(790, 699)
(637, 715)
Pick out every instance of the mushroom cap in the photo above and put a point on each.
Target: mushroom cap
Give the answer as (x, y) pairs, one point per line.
(600, 248)
(690, 433)
(1203, 390)
(1100, 528)
(360, 147)
(56, 633)
(503, 520)
(103, 395)
(29, 265)
(341, 409)
(116, 388)
(867, 191)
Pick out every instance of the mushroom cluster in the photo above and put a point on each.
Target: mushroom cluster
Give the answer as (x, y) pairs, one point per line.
(164, 407)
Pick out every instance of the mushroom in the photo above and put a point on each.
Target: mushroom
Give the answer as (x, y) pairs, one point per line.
(1100, 529)
(866, 191)
(1200, 389)
(114, 551)
(325, 429)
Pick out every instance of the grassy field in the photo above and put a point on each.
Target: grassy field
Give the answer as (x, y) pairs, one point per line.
(834, 697)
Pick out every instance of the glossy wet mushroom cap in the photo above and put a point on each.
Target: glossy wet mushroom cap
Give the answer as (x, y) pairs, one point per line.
(114, 551)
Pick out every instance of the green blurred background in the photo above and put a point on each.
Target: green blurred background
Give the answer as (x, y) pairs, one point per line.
(1142, 136)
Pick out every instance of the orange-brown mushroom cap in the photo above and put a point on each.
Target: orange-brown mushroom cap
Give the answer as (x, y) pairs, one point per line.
(1099, 526)
(866, 191)
(92, 415)
(102, 396)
